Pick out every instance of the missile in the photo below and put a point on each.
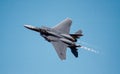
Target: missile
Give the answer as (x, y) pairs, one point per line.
(69, 43)
(66, 41)
(68, 37)
(53, 34)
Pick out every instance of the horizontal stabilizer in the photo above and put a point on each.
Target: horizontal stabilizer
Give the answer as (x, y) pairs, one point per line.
(74, 51)
(77, 35)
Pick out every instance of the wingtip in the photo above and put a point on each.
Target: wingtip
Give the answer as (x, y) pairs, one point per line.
(68, 18)
(63, 59)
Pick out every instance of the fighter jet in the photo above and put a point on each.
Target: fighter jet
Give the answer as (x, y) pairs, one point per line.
(59, 36)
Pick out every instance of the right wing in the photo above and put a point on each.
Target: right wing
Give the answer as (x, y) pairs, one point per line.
(64, 26)
(60, 48)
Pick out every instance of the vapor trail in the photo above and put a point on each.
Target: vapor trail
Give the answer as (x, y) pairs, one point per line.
(89, 49)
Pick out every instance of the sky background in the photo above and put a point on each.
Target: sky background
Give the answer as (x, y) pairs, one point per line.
(24, 52)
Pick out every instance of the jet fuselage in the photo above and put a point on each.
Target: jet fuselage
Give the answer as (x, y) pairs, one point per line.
(59, 37)
(45, 32)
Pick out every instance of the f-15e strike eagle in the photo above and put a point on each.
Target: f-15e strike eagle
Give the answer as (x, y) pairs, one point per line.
(60, 38)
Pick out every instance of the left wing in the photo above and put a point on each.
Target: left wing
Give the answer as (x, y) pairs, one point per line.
(64, 26)
(60, 48)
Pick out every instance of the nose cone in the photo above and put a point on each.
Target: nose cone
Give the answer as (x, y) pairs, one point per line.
(31, 28)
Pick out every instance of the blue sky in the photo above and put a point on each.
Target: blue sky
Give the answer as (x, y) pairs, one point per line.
(24, 52)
